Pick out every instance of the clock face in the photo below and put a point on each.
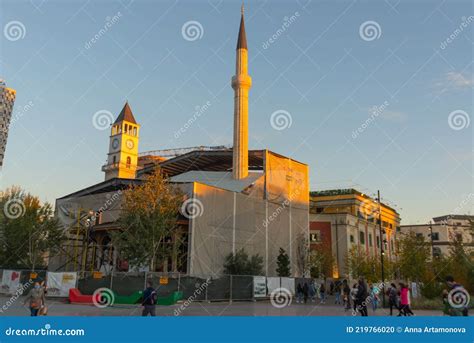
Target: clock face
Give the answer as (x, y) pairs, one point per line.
(115, 143)
(130, 144)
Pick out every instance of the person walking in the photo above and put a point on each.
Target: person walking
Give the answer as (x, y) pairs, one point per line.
(305, 292)
(337, 292)
(455, 287)
(354, 291)
(346, 295)
(392, 297)
(361, 297)
(404, 300)
(149, 300)
(36, 299)
(299, 293)
(374, 297)
(312, 291)
(322, 293)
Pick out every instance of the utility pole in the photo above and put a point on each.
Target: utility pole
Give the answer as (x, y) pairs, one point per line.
(381, 248)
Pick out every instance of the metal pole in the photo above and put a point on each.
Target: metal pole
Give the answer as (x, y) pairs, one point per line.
(230, 296)
(381, 248)
(431, 239)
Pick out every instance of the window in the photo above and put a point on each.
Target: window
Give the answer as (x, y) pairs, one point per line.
(319, 209)
(378, 242)
(435, 236)
(129, 161)
(351, 238)
(370, 239)
(315, 237)
(436, 251)
(391, 246)
(125, 128)
(135, 131)
(419, 235)
(114, 160)
(361, 237)
(459, 237)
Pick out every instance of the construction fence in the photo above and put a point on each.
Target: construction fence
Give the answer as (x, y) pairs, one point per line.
(219, 288)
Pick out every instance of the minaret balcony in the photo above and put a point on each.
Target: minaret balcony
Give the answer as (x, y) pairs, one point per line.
(241, 81)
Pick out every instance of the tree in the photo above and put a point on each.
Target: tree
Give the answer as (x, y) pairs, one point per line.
(240, 264)
(303, 254)
(321, 262)
(413, 257)
(283, 264)
(29, 233)
(147, 220)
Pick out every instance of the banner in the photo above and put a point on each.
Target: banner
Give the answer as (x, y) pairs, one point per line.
(60, 283)
(259, 286)
(272, 284)
(10, 281)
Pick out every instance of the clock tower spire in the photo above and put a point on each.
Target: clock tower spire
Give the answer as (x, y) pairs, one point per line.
(122, 159)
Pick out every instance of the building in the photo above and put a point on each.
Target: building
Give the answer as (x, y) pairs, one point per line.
(7, 100)
(341, 219)
(252, 199)
(442, 232)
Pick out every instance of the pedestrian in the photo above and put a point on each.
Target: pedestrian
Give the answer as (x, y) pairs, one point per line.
(149, 300)
(374, 297)
(312, 291)
(337, 292)
(36, 299)
(346, 295)
(392, 297)
(299, 293)
(331, 288)
(457, 309)
(404, 300)
(305, 292)
(322, 293)
(361, 297)
(354, 291)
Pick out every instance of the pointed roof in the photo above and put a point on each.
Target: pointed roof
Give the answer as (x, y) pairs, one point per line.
(242, 41)
(126, 115)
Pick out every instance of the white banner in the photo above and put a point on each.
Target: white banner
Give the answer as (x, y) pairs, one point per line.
(272, 283)
(259, 286)
(10, 281)
(60, 283)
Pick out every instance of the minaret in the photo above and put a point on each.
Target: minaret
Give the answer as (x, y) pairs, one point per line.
(241, 84)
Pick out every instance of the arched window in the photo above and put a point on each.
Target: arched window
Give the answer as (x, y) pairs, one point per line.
(135, 131)
(126, 128)
(115, 160)
(129, 161)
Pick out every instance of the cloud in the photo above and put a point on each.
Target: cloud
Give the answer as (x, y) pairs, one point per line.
(454, 81)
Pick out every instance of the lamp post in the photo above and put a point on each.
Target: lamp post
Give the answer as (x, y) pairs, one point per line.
(382, 242)
(431, 240)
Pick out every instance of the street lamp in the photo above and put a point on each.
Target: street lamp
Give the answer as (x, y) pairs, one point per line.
(382, 242)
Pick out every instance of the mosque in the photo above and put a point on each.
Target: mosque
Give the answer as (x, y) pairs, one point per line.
(252, 199)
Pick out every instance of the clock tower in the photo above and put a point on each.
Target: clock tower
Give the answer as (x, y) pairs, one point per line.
(122, 159)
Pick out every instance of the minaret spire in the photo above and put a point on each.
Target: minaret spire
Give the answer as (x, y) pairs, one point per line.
(241, 84)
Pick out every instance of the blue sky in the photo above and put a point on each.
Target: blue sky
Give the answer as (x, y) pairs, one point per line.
(323, 70)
